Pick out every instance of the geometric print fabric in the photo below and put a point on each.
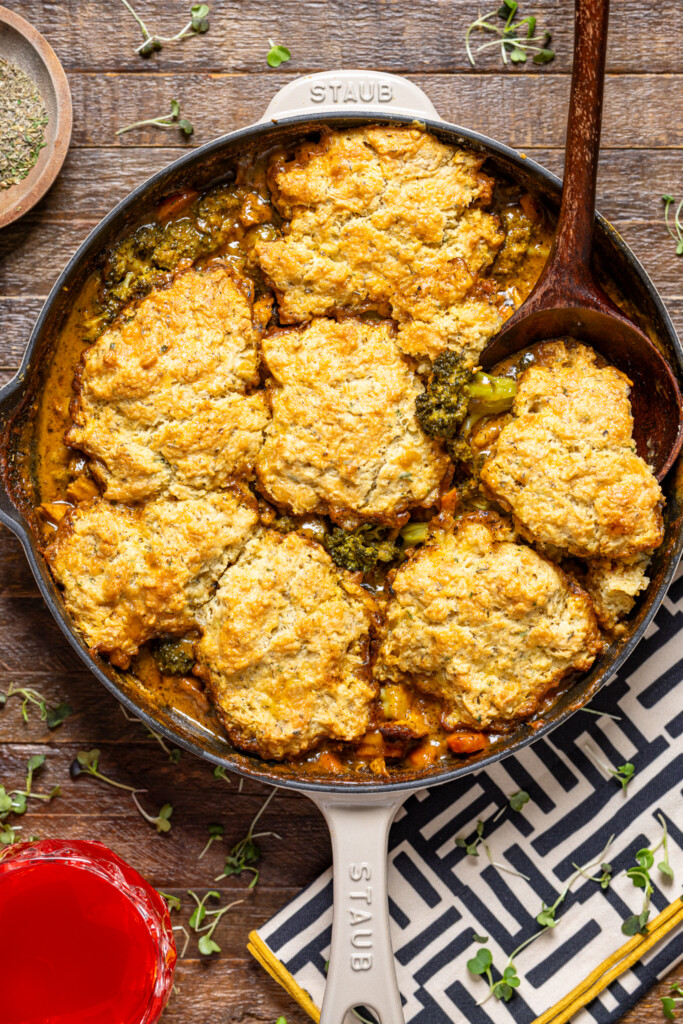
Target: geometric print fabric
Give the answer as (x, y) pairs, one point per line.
(439, 896)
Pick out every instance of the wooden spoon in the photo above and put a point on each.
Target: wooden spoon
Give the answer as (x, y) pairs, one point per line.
(567, 300)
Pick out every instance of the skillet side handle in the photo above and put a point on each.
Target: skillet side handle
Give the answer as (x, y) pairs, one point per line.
(349, 90)
(361, 970)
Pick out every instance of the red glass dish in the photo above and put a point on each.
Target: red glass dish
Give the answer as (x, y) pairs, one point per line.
(84, 939)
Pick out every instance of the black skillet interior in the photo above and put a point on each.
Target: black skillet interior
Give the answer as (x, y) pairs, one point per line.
(200, 169)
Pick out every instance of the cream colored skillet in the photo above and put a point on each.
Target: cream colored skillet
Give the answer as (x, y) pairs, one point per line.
(358, 811)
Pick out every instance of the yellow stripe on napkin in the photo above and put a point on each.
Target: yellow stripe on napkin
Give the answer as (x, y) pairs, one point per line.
(598, 980)
(265, 956)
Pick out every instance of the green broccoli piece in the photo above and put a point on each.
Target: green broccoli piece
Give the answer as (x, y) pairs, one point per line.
(180, 241)
(442, 407)
(361, 549)
(455, 398)
(172, 657)
(284, 524)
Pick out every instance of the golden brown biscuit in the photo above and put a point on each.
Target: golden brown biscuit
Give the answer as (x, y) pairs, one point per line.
(485, 624)
(387, 219)
(285, 648)
(162, 404)
(131, 574)
(343, 437)
(565, 465)
(614, 586)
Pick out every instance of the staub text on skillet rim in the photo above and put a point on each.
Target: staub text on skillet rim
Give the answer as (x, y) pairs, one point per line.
(359, 812)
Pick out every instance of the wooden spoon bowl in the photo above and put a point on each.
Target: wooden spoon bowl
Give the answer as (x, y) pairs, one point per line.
(567, 300)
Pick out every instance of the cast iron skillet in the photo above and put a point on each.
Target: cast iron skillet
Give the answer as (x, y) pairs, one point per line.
(358, 810)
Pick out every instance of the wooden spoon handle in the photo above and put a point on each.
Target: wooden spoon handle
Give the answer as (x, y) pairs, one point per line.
(574, 239)
(567, 279)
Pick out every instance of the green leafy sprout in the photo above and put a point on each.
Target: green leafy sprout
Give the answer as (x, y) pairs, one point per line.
(207, 944)
(546, 917)
(174, 753)
(246, 852)
(15, 801)
(515, 39)
(215, 835)
(481, 964)
(517, 800)
(471, 848)
(173, 901)
(277, 54)
(669, 1002)
(639, 874)
(87, 762)
(172, 120)
(676, 231)
(623, 774)
(197, 25)
(53, 717)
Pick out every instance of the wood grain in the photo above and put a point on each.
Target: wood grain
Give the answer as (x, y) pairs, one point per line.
(223, 83)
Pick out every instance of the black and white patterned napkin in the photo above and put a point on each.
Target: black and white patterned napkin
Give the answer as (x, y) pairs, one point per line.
(440, 896)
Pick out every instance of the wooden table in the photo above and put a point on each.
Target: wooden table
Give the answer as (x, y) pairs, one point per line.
(222, 82)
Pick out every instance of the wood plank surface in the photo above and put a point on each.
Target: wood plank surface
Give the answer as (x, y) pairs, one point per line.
(222, 82)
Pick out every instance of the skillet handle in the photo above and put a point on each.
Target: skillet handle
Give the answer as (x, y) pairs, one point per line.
(361, 970)
(373, 91)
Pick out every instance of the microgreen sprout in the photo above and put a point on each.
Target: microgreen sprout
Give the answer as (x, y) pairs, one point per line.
(173, 901)
(87, 763)
(676, 231)
(639, 873)
(601, 714)
(623, 774)
(481, 964)
(197, 25)
(220, 772)
(161, 822)
(207, 944)
(669, 1002)
(246, 853)
(183, 929)
(15, 801)
(277, 54)
(470, 846)
(516, 39)
(174, 753)
(53, 717)
(172, 120)
(503, 867)
(546, 916)
(517, 800)
(215, 833)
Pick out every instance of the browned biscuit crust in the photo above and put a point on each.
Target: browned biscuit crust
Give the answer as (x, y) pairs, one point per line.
(485, 624)
(131, 574)
(162, 404)
(285, 648)
(565, 464)
(343, 438)
(389, 219)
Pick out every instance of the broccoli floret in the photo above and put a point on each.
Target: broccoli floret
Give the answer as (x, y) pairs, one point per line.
(361, 549)
(173, 657)
(180, 241)
(284, 524)
(443, 406)
(456, 398)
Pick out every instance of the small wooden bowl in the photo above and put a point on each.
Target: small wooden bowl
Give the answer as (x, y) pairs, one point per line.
(22, 46)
